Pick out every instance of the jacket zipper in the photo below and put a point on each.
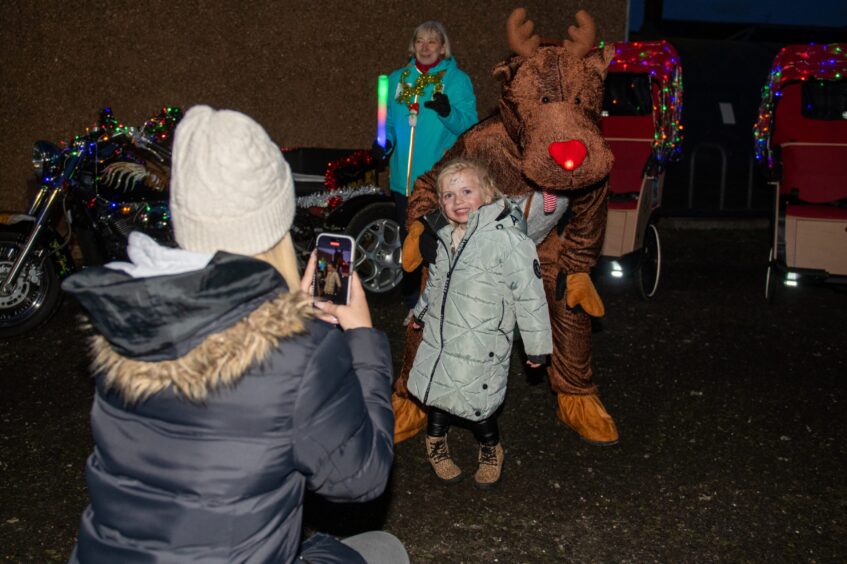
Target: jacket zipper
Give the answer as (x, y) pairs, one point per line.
(500, 323)
(443, 307)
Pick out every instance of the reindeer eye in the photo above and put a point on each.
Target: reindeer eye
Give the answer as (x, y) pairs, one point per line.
(577, 101)
(545, 100)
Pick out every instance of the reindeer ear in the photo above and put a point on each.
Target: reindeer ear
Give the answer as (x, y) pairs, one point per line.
(600, 59)
(608, 54)
(505, 70)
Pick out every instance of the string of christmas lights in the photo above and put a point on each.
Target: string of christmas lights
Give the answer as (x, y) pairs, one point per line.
(794, 63)
(660, 60)
(160, 128)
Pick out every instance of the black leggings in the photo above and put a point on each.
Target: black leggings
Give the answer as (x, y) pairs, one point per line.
(486, 432)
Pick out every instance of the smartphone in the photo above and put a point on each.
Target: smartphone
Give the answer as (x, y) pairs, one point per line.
(335, 260)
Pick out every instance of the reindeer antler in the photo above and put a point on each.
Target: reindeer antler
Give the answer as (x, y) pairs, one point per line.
(519, 31)
(582, 34)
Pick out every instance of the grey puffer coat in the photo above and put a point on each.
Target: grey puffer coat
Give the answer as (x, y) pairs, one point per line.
(472, 301)
(219, 402)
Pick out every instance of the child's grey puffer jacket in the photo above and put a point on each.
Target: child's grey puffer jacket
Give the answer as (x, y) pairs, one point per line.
(470, 306)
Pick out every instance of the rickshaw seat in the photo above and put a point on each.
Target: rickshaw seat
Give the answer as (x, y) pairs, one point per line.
(631, 156)
(627, 204)
(631, 140)
(814, 172)
(813, 151)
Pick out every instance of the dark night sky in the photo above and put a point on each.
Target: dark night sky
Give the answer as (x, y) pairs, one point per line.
(817, 13)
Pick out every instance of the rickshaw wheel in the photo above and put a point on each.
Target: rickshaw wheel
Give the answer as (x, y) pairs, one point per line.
(771, 278)
(649, 264)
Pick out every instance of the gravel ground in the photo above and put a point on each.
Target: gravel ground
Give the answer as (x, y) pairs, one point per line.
(729, 412)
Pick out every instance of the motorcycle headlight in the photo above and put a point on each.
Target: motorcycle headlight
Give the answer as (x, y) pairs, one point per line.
(45, 159)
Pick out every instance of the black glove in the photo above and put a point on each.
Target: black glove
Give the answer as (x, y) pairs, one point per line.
(440, 103)
(380, 153)
(428, 243)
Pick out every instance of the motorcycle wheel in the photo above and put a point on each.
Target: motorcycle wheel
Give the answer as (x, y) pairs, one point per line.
(34, 297)
(378, 246)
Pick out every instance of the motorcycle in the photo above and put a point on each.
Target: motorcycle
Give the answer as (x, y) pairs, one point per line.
(113, 180)
(97, 189)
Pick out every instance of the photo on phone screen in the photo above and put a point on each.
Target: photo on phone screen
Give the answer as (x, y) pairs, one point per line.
(336, 254)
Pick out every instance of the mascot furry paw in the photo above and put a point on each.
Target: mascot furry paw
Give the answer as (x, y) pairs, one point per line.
(544, 150)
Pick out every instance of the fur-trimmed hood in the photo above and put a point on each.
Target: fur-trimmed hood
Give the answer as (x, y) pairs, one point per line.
(193, 331)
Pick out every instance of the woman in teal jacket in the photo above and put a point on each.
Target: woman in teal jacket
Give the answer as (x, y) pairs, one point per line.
(432, 95)
(432, 103)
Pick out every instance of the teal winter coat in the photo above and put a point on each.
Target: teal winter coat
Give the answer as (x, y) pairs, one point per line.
(472, 301)
(433, 134)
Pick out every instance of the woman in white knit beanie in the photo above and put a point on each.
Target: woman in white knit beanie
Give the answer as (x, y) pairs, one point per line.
(231, 189)
(220, 398)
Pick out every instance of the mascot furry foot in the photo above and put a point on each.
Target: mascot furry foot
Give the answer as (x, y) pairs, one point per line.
(587, 416)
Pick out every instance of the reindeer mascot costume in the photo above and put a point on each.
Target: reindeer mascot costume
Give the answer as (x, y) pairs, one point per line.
(545, 151)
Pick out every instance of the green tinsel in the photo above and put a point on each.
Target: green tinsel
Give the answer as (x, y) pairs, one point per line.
(408, 92)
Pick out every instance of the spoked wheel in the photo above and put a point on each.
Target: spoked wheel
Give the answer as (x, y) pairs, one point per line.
(771, 277)
(34, 296)
(649, 264)
(378, 246)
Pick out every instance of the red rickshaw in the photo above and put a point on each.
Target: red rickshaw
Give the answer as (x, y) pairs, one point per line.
(641, 123)
(801, 138)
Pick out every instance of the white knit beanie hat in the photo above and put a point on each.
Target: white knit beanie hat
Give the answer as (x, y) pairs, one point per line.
(231, 189)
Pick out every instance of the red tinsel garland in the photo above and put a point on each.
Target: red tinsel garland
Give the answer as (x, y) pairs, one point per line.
(357, 160)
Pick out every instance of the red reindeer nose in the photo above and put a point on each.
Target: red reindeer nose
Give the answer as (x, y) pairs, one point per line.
(569, 154)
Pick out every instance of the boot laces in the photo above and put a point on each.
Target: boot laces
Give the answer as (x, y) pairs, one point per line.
(439, 451)
(488, 455)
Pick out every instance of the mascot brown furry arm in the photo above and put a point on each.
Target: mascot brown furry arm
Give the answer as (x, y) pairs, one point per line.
(544, 149)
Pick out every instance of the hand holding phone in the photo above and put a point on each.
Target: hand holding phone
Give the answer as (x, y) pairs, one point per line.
(354, 315)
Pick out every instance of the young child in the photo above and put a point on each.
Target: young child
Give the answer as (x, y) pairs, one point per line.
(486, 278)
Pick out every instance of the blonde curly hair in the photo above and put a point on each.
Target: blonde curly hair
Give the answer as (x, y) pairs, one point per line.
(490, 192)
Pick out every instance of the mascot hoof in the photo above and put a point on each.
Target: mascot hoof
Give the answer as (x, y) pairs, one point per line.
(587, 416)
(409, 418)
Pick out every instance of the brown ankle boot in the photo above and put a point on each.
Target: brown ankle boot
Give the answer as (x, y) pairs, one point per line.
(439, 457)
(490, 466)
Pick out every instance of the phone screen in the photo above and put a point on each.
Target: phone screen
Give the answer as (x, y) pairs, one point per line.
(334, 267)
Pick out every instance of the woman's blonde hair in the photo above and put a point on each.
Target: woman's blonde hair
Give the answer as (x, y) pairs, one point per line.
(432, 26)
(283, 257)
(489, 190)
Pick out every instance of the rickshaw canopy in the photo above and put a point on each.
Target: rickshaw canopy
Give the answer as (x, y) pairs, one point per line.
(794, 63)
(659, 62)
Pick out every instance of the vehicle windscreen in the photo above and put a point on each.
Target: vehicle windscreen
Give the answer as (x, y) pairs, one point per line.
(825, 99)
(627, 94)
